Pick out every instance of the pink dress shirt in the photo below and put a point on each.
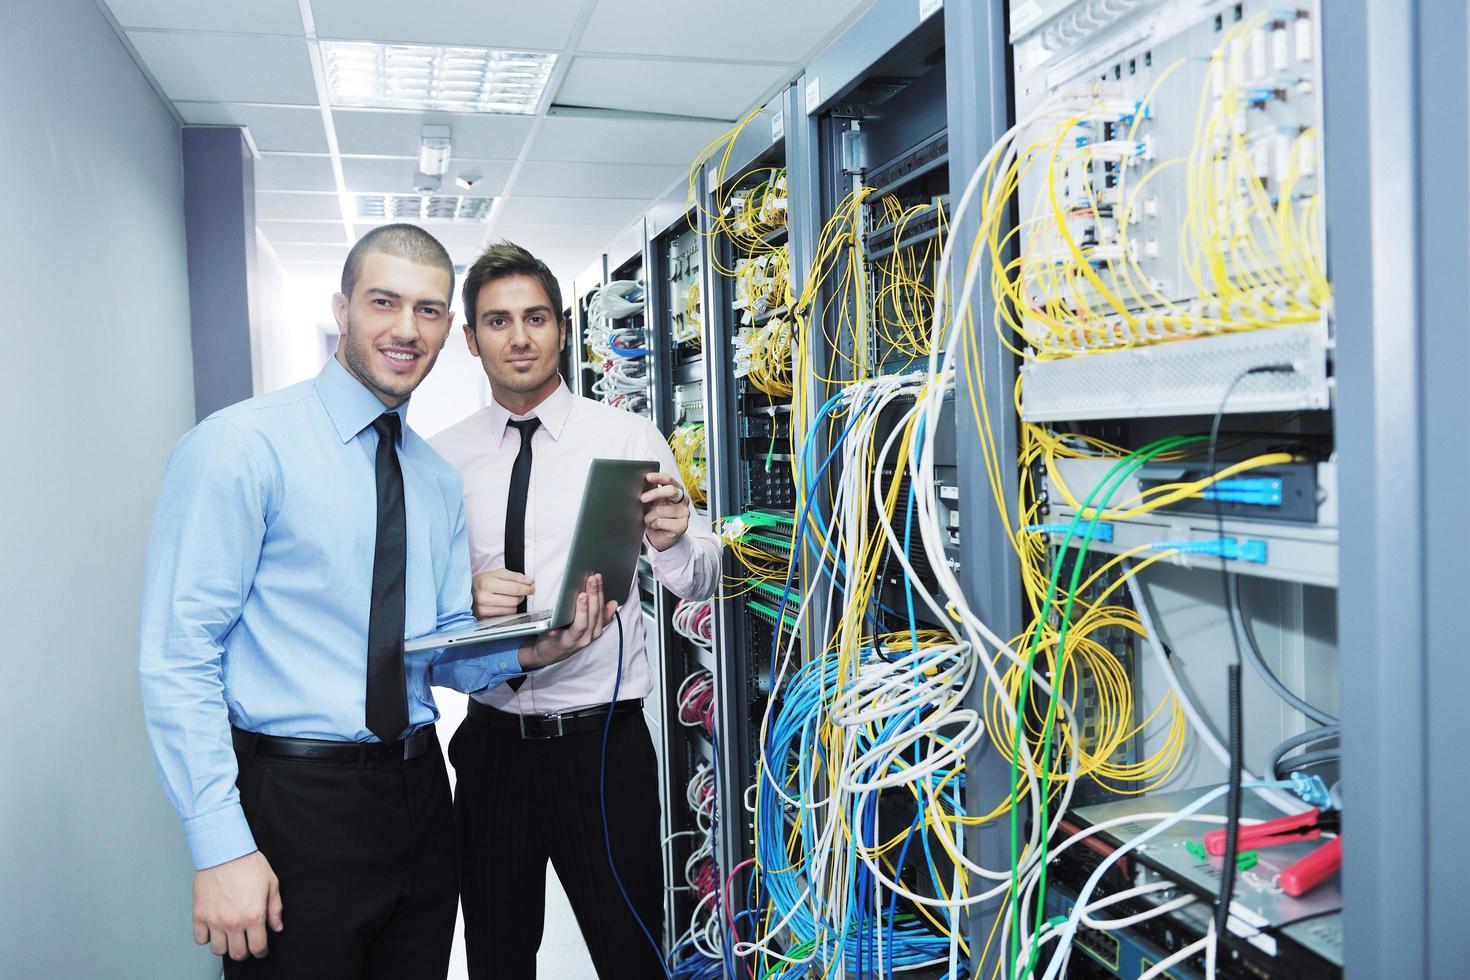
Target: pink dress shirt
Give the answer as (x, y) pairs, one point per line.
(573, 432)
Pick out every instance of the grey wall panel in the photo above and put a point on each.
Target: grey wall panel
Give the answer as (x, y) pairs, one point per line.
(96, 873)
(219, 209)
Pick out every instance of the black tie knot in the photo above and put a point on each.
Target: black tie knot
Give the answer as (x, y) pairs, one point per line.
(388, 425)
(526, 427)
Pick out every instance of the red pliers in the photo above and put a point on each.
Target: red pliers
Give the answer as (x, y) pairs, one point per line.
(1305, 874)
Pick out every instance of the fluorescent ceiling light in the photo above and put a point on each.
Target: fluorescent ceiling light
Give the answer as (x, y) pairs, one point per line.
(423, 207)
(421, 76)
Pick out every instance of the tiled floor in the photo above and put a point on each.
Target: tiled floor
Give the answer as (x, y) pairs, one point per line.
(563, 955)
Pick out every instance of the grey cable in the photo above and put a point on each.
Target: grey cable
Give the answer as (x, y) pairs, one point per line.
(1258, 661)
(1306, 760)
(1297, 741)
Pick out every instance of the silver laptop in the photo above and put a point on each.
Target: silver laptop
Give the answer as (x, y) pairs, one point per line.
(606, 540)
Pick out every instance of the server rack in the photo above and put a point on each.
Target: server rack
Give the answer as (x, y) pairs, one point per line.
(746, 474)
(1393, 578)
(674, 261)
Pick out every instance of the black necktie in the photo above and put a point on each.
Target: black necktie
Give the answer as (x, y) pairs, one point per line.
(515, 506)
(387, 701)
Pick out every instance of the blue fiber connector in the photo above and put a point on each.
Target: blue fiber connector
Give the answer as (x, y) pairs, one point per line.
(1253, 551)
(1258, 491)
(1312, 790)
(1103, 531)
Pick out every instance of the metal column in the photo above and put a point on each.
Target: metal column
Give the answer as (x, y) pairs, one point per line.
(1396, 141)
(978, 87)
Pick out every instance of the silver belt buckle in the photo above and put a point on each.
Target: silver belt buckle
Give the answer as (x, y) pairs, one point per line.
(560, 730)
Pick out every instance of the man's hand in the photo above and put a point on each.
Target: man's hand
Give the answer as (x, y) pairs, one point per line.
(499, 592)
(233, 904)
(591, 618)
(666, 511)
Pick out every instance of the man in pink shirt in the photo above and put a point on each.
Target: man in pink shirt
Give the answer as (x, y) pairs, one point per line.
(529, 759)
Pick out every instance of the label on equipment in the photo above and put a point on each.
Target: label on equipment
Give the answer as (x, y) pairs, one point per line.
(1024, 16)
(813, 94)
(927, 8)
(778, 126)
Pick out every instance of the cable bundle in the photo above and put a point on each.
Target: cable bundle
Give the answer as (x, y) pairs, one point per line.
(903, 295)
(1041, 672)
(1252, 239)
(693, 621)
(618, 350)
(696, 700)
(687, 319)
(688, 443)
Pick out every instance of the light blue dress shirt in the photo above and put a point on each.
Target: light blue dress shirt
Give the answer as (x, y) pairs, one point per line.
(258, 585)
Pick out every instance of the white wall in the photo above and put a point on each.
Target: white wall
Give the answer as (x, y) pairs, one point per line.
(287, 337)
(94, 874)
(455, 388)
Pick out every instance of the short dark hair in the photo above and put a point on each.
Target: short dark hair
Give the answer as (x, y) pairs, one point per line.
(405, 241)
(501, 261)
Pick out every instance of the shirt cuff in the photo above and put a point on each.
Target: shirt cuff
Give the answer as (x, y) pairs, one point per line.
(218, 837)
(478, 674)
(676, 555)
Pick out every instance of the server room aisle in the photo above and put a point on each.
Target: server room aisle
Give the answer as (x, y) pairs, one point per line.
(563, 954)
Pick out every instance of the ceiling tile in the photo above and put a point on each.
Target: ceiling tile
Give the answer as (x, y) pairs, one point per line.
(622, 140)
(571, 210)
(547, 24)
(256, 17)
(276, 205)
(716, 90)
(311, 253)
(395, 175)
(228, 67)
(479, 137)
(546, 235)
(318, 232)
(557, 178)
(286, 172)
(704, 28)
(289, 129)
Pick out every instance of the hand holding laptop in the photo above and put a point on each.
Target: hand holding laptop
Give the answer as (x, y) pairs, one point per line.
(499, 592)
(665, 511)
(591, 617)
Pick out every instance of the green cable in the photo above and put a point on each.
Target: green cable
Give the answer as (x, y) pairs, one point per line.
(1131, 462)
(1134, 463)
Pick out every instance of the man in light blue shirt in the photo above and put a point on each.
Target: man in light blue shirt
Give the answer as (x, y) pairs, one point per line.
(300, 537)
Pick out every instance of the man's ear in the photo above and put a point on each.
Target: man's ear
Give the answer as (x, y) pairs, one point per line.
(469, 339)
(562, 345)
(339, 312)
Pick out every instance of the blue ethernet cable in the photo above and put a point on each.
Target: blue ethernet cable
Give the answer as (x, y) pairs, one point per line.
(602, 802)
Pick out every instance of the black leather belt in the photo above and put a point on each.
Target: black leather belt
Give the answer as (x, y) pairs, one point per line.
(359, 754)
(554, 725)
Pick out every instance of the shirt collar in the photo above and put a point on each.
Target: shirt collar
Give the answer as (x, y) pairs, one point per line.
(553, 412)
(349, 404)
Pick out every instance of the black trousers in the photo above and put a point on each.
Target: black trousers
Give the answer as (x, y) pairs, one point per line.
(367, 865)
(520, 802)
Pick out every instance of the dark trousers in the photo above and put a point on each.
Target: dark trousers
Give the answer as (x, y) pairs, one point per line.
(367, 865)
(519, 802)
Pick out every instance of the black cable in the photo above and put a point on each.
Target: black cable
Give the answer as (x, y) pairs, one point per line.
(1237, 736)
(1232, 806)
